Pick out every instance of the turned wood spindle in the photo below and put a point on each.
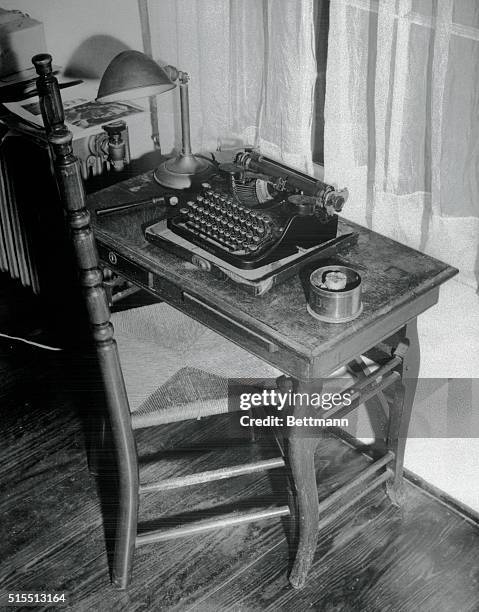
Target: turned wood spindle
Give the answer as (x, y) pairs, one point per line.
(51, 105)
(70, 185)
(67, 169)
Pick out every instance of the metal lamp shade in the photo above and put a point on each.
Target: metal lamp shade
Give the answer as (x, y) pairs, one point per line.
(131, 75)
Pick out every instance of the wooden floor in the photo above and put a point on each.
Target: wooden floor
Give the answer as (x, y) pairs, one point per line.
(374, 559)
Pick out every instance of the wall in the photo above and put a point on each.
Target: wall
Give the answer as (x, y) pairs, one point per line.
(85, 35)
(68, 23)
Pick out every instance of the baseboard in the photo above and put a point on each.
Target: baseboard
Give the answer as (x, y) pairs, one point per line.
(441, 496)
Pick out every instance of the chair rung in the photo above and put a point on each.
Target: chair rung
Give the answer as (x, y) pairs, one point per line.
(212, 475)
(361, 477)
(226, 520)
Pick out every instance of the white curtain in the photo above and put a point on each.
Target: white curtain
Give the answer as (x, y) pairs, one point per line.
(401, 121)
(252, 69)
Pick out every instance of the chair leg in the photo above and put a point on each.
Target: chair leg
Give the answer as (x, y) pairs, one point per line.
(400, 413)
(126, 531)
(96, 444)
(126, 461)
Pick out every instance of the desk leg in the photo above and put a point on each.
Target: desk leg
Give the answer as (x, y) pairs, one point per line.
(401, 410)
(301, 459)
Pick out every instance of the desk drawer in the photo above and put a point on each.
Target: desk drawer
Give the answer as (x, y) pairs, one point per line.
(161, 287)
(255, 342)
(123, 266)
(223, 323)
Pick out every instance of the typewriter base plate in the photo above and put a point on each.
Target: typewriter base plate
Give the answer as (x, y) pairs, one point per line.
(257, 281)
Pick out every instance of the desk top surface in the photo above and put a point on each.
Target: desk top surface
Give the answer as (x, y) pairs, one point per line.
(394, 277)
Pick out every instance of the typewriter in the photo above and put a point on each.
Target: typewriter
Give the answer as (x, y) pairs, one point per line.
(255, 219)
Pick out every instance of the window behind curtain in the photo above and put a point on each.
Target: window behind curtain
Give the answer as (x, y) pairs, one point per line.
(402, 133)
(321, 19)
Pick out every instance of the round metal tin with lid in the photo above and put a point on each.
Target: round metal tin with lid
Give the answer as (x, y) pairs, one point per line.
(335, 294)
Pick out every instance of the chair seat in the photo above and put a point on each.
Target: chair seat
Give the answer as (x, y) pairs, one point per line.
(176, 368)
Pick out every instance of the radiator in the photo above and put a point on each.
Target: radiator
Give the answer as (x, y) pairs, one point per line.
(15, 245)
(30, 214)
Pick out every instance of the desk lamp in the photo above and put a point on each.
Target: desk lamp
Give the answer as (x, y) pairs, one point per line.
(132, 75)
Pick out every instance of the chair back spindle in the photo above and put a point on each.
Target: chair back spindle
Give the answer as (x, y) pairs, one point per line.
(51, 105)
(72, 194)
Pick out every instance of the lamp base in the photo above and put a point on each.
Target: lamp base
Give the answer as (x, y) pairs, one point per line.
(183, 171)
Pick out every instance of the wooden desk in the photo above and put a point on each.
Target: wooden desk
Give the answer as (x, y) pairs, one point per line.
(399, 284)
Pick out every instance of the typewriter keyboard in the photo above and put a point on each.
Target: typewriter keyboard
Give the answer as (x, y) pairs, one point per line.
(217, 218)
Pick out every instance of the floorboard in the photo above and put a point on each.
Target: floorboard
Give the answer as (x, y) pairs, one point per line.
(376, 558)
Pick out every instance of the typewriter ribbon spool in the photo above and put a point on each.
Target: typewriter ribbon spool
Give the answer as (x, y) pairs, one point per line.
(332, 301)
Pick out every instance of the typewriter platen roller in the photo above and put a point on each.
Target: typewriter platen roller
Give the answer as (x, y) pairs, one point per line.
(272, 178)
(256, 211)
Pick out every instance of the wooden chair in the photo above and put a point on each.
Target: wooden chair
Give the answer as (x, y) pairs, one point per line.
(214, 354)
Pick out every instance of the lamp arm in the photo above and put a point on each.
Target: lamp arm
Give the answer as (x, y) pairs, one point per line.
(185, 117)
(183, 78)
